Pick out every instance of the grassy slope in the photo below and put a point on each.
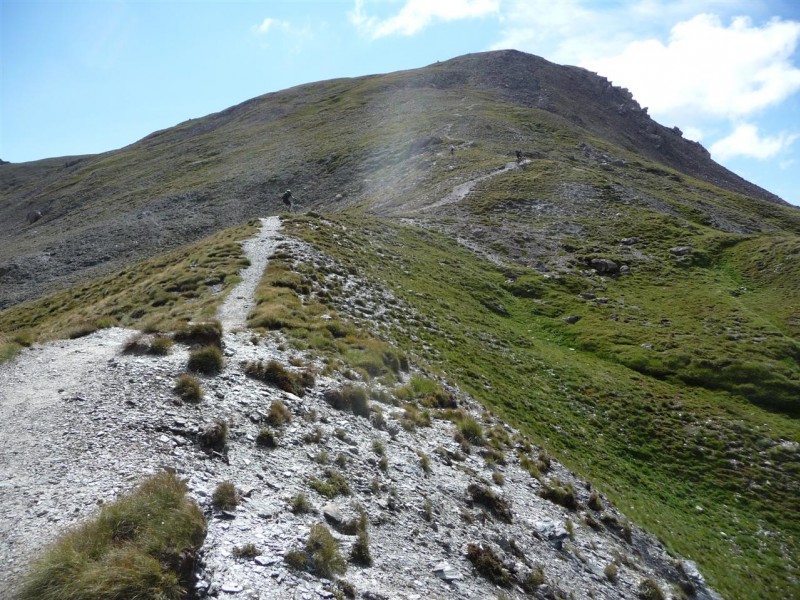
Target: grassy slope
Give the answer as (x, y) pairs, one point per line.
(157, 294)
(660, 448)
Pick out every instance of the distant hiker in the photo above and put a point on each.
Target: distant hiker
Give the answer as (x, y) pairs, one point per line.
(452, 150)
(34, 216)
(519, 156)
(288, 199)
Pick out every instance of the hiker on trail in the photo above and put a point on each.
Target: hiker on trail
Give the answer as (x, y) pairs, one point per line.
(288, 199)
(452, 150)
(519, 156)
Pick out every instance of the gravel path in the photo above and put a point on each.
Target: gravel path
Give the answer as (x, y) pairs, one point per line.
(233, 312)
(460, 191)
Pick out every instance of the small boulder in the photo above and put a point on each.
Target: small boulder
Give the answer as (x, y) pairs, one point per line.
(604, 265)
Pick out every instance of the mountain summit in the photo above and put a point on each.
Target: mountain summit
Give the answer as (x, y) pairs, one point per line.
(336, 143)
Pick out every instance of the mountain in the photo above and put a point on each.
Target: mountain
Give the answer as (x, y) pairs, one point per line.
(614, 293)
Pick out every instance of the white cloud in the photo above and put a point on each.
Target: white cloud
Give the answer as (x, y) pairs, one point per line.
(572, 31)
(746, 141)
(693, 133)
(709, 68)
(415, 15)
(269, 23)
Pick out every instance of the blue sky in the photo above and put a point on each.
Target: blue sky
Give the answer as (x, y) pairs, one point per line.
(88, 76)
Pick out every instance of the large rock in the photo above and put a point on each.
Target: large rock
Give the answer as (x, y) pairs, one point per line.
(604, 265)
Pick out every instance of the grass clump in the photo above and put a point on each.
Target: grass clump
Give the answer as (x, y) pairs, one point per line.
(208, 333)
(225, 496)
(320, 555)
(284, 379)
(482, 495)
(333, 485)
(359, 553)
(648, 590)
(299, 504)
(207, 360)
(561, 493)
(249, 550)
(424, 462)
(157, 345)
(215, 435)
(266, 438)
(351, 397)
(188, 388)
(533, 579)
(469, 430)
(278, 414)
(413, 417)
(486, 563)
(143, 545)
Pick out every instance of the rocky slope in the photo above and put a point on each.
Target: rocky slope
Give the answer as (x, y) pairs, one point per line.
(369, 140)
(87, 420)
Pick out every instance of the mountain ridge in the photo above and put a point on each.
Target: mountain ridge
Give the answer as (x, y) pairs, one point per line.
(637, 321)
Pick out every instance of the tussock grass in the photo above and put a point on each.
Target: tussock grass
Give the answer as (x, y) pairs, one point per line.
(207, 333)
(284, 379)
(140, 546)
(333, 485)
(488, 565)
(561, 493)
(499, 506)
(188, 388)
(206, 359)
(225, 496)
(320, 554)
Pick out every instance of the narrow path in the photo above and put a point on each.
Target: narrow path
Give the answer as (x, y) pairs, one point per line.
(234, 310)
(460, 191)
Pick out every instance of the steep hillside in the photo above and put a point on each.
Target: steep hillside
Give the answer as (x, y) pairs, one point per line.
(335, 143)
(614, 294)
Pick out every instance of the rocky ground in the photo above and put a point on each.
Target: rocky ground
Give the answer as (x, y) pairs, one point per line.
(82, 421)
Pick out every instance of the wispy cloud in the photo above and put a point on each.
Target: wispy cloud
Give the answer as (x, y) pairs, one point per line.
(416, 15)
(269, 24)
(746, 141)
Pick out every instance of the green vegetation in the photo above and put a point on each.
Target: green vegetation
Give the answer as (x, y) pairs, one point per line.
(161, 294)
(248, 550)
(278, 415)
(206, 359)
(207, 333)
(334, 484)
(488, 565)
(157, 345)
(266, 438)
(652, 441)
(499, 506)
(561, 493)
(225, 496)
(188, 388)
(320, 555)
(299, 504)
(140, 546)
(284, 379)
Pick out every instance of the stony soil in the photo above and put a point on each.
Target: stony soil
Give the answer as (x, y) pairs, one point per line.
(82, 422)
